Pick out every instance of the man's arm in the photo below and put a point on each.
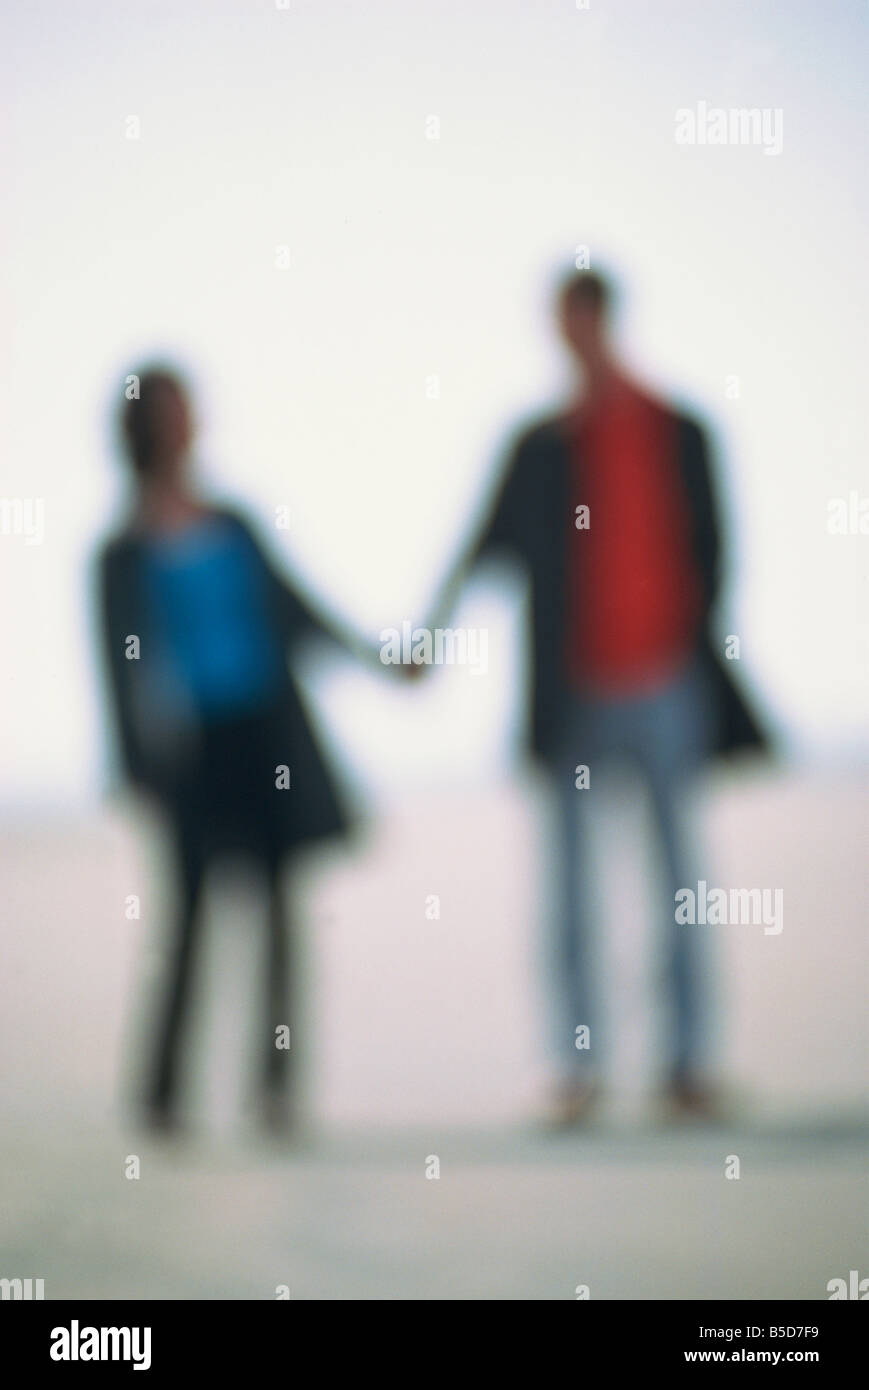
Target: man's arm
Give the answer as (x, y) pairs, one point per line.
(502, 532)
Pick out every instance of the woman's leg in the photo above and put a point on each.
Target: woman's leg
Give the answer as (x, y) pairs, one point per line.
(279, 1040)
(175, 1003)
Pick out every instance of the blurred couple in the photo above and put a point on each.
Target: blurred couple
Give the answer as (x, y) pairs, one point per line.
(609, 509)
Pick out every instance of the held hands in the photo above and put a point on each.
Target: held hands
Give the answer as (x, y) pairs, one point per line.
(411, 670)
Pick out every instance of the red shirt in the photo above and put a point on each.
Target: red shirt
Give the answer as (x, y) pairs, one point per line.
(634, 600)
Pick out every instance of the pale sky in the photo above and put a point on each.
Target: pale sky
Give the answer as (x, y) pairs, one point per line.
(411, 257)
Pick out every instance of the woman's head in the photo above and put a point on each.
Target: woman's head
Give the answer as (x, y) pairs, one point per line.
(157, 426)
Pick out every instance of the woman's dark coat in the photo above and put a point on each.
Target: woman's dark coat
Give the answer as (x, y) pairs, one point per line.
(160, 756)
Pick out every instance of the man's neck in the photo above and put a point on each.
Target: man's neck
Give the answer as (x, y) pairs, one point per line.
(601, 377)
(598, 383)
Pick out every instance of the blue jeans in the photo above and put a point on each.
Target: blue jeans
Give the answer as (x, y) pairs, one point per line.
(665, 736)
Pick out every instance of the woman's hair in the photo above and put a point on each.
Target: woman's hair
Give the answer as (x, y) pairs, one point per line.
(139, 416)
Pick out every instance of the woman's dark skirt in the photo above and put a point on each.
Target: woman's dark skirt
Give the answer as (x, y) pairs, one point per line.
(256, 784)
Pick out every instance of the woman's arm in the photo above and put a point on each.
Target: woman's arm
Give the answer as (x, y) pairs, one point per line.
(113, 612)
(300, 616)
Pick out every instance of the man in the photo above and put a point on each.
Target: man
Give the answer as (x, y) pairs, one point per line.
(610, 509)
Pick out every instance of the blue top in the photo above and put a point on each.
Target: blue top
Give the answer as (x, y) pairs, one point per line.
(209, 593)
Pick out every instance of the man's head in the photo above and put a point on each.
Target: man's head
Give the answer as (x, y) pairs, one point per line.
(584, 308)
(157, 427)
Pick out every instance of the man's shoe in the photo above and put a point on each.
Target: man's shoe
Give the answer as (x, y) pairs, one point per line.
(573, 1104)
(689, 1098)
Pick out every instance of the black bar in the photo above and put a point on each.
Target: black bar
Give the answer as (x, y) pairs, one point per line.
(225, 1338)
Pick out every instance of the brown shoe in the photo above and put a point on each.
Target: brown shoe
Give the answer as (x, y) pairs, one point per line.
(573, 1104)
(689, 1098)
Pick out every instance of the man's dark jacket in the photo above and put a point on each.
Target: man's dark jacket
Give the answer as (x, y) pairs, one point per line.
(531, 521)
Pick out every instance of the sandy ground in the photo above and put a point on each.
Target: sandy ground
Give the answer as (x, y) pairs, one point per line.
(422, 1042)
(512, 1215)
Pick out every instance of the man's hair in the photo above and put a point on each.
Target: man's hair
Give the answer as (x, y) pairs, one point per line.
(136, 417)
(587, 287)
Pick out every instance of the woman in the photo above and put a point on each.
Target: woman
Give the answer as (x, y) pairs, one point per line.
(197, 626)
